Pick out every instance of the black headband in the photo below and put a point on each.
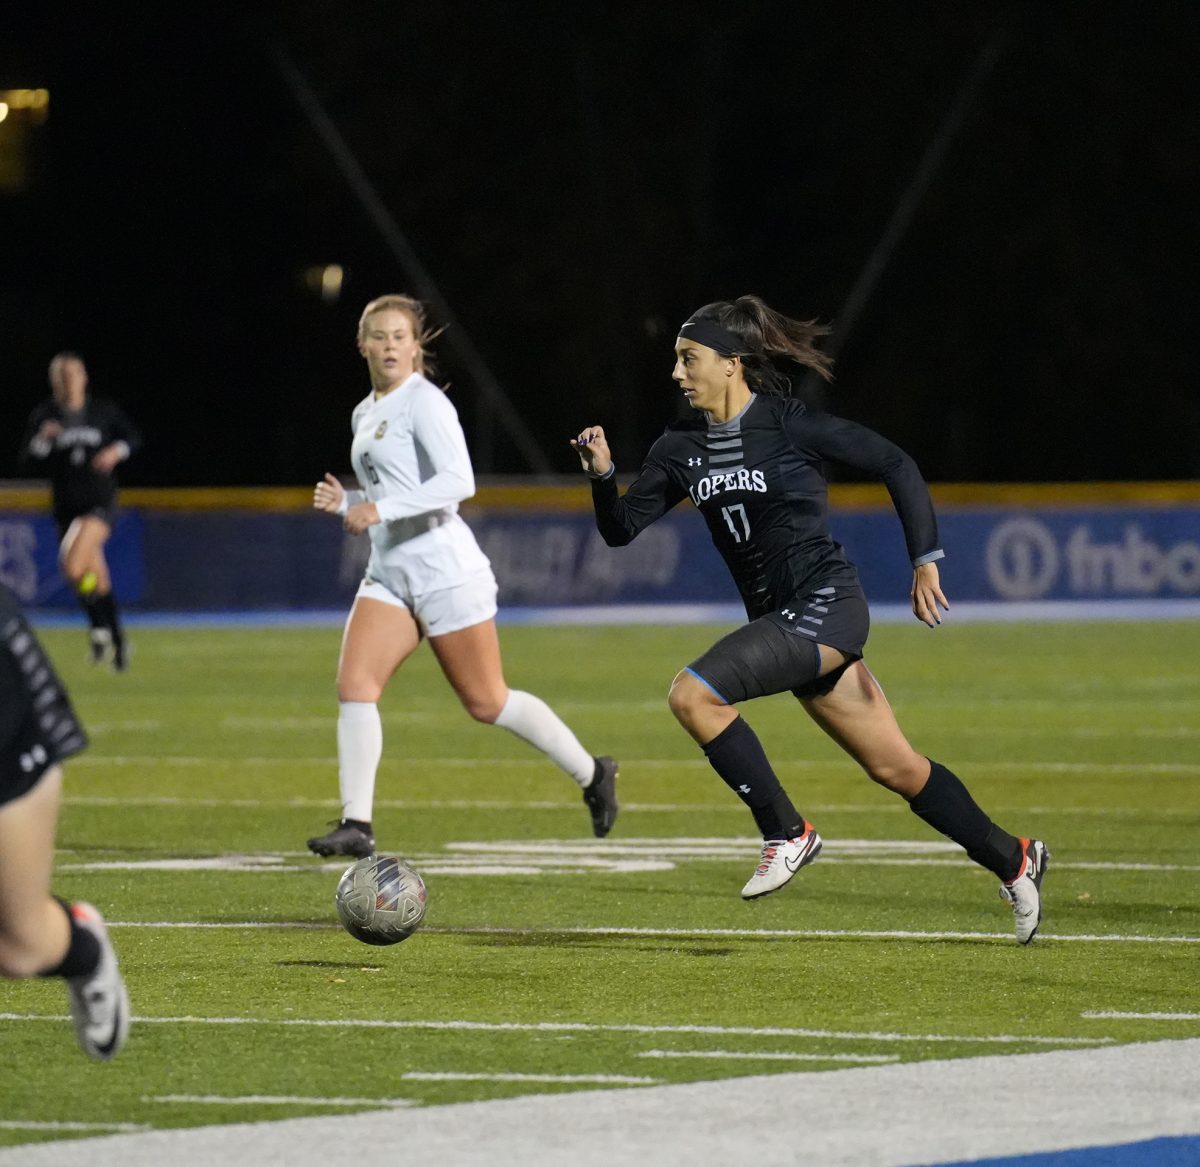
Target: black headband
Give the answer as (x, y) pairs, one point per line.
(712, 335)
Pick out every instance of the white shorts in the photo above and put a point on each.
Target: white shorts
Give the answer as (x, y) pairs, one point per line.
(439, 610)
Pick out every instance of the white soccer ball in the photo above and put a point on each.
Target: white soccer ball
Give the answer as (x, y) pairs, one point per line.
(380, 900)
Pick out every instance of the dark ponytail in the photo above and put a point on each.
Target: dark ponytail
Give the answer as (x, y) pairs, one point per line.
(767, 335)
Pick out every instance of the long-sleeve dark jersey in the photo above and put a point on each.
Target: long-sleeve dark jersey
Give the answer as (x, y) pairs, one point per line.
(76, 487)
(759, 483)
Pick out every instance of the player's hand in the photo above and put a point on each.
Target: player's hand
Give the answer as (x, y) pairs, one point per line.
(360, 517)
(927, 595)
(49, 430)
(106, 459)
(593, 451)
(328, 495)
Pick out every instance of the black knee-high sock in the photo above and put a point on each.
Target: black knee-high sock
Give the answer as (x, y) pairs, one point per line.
(90, 602)
(106, 605)
(947, 806)
(83, 951)
(737, 756)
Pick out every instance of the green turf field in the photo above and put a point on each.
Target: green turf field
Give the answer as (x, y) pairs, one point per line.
(551, 961)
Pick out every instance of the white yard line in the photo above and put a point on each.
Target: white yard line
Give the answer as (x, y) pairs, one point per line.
(768, 1056)
(832, 933)
(890, 806)
(596, 1027)
(720, 933)
(322, 722)
(15, 1124)
(249, 761)
(692, 846)
(1116, 1015)
(110, 726)
(575, 856)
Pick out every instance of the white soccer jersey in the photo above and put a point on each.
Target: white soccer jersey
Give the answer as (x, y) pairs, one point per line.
(410, 457)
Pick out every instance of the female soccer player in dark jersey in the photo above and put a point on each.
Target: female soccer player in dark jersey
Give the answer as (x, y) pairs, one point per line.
(39, 935)
(80, 440)
(751, 462)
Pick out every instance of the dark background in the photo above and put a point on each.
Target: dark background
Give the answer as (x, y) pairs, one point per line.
(576, 179)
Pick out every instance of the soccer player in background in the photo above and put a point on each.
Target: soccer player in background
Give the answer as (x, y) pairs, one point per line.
(751, 460)
(41, 935)
(426, 577)
(80, 440)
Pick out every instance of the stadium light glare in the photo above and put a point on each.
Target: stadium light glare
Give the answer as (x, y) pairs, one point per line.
(326, 280)
(34, 103)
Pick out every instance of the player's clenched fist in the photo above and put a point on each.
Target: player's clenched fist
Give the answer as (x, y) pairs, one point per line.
(328, 495)
(593, 451)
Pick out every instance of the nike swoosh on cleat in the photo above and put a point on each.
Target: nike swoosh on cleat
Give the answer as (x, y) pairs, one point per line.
(806, 856)
(109, 1046)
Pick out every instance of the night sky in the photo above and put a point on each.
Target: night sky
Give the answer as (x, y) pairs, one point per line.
(576, 179)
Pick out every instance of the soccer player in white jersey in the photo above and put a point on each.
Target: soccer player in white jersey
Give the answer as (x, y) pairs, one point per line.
(426, 578)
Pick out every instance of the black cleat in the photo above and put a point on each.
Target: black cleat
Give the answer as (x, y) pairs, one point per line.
(344, 839)
(120, 654)
(601, 795)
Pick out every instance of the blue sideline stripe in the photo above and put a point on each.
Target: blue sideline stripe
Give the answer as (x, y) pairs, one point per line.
(1165, 1152)
(1046, 611)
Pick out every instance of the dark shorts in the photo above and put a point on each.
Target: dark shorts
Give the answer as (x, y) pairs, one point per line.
(104, 511)
(778, 652)
(38, 727)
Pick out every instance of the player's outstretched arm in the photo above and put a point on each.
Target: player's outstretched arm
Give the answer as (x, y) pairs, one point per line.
(927, 595)
(593, 451)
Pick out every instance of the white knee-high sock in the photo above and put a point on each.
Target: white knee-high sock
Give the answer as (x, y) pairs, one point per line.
(529, 717)
(360, 746)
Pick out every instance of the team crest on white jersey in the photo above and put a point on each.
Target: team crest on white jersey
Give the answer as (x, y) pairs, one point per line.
(381, 430)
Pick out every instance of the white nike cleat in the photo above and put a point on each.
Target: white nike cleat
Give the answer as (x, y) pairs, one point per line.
(99, 1001)
(781, 859)
(100, 645)
(1025, 892)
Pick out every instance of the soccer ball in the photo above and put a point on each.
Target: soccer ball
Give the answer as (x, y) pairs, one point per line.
(380, 900)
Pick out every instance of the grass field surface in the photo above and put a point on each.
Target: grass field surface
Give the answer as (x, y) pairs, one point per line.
(552, 962)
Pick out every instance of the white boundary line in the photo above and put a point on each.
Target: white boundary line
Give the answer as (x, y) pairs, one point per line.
(462, 1076)
(768, 1056)
(597, 1027)
(1116, 1097)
